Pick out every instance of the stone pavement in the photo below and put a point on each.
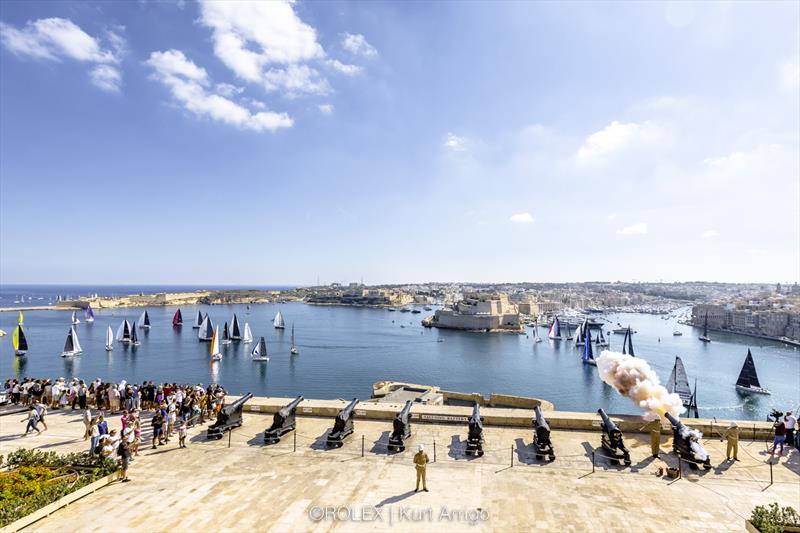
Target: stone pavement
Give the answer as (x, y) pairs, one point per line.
(252, 487)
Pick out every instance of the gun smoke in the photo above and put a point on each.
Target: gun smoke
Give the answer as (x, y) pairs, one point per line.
(633, 377)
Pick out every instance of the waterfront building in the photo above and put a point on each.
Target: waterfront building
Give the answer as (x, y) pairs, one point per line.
(479, 312)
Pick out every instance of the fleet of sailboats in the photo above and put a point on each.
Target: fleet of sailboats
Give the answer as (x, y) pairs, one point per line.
(72, 346)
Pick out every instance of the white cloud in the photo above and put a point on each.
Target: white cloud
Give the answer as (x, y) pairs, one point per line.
(789, 75)
(611, 216)
(326, 109)
(54, 39)
(756, 251)
(639, 228)
(357, 44)
(228, 90)
(521, 218)
(106, 77)
(709, 234)
(295, 80)
(454, 142)
(761, 160)
(188, 84)
(610, 139)
(344, 68)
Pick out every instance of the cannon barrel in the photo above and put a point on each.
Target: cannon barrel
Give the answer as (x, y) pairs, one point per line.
(282, 422)
(677, 424)
(239, 403)
(541, 423)
(290, 407)
(610, 426)
(401, 428)
(347, 412)
(475, 419)
(405, 413)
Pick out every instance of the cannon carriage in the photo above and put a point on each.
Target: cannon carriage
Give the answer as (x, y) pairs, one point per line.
(342, 426)
(229, 417)
(401, 429)
(283, 421)
(541, 436)
(612, 441)
(475, 433)
(686, 444)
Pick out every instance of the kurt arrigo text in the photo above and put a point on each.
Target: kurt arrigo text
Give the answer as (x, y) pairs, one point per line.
(391, 514)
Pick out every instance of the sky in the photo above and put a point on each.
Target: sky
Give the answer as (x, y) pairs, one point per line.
(289, 143)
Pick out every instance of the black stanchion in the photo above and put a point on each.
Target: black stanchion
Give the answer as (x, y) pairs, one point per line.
(434, 451)
(592, 461)
(680, 468)
(230, 432)
(770, 471)
(512, 455)
(362, 445)
(294, 444)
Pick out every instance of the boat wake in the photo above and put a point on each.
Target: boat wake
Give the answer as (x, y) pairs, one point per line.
(722, 407)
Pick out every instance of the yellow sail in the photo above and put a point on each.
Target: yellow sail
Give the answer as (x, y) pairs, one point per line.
(20, 318)
(15, 338)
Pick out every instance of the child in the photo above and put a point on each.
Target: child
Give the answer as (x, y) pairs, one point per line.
(182, 434)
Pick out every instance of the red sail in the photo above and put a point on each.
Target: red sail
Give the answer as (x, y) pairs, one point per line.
(177, 319)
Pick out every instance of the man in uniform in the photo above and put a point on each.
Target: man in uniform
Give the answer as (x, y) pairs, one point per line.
(654, 428)
(420, 464)
(732, 436)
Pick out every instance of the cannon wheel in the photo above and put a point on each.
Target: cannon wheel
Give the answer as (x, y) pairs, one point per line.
(552, 457)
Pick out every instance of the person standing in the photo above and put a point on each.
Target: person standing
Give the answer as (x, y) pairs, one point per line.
(41, 410)
(420, 465)
(790, 421)
(731, 435)
(95, 439)
(157, 422)
(87, 424)
(124, 453)
(780, 437)
(32, 420)
(182, 434)
(654, 428)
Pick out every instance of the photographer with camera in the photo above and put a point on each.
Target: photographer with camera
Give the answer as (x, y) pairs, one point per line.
(780, 432)
(791, 424)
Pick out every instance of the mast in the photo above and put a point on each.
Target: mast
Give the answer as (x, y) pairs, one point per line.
(630, 342)
(625, 343)
(748, 377)
(588, 355)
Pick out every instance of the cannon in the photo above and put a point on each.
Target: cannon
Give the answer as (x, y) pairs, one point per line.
(612, 442)
(541, 436)
(343, 426)
(686, 444)
(401, 429)
(475, 434)
(282, 422)
(229, 417)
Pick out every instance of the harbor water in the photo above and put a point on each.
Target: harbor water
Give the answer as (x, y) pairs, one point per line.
(344, 350)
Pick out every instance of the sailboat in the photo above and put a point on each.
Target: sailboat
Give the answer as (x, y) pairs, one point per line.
(124, 332)
(248, 335)
(236, 334)
(678, 383)
(109, 339)
(75, 320)
(581, 332)
(676, 332)
(216, 355)
(748, 378)
(226, 335)
(206, 332)
(536, 337)
(601, 340)
(19, 341)
(259, 352)
(134, 336)
(278, 321)
(555, 330)
(21, 319)
(177, 319)
(704, 337)
(88, 314)
(293, 350)
(565, 332)
(72, 346)
(198, 321)
(588, 354)
(627, 343)
(144, 320)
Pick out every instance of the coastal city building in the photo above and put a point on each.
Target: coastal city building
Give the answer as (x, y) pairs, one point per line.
(775, 316)
(479, 312)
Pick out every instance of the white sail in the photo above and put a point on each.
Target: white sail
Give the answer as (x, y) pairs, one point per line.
(120, 329)
(109, 339)
(75, 318)
(215, 353)
(75, 341)
(278, 322)
(142, 322)
(248, 335)
(259, 352)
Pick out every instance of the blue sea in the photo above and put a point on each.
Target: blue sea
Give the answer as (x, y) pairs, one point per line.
(344, 350)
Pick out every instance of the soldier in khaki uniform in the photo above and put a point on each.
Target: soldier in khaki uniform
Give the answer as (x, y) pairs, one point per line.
(420, 464)
(654, 428)
(732, 436)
